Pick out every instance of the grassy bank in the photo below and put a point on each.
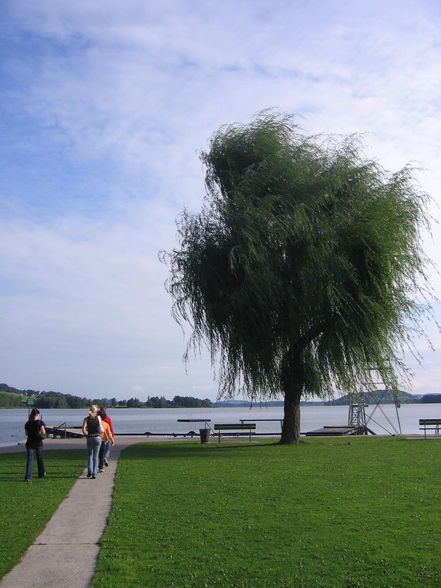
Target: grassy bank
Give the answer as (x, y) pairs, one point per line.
(26, 508)
(329, 512)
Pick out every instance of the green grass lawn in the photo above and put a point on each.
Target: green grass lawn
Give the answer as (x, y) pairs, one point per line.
(328, 512)
(26, 508)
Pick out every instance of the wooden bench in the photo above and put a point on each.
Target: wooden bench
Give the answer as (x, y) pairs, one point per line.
(236, 428)
(264, 421)
(430, 425)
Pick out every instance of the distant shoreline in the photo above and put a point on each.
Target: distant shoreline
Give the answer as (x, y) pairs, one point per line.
(13, 398)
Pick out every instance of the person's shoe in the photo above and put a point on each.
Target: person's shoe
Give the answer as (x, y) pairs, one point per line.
(101, 470)
(93, 477)
(43, 476)
(106, 463)
(88, 474)
(26, 480)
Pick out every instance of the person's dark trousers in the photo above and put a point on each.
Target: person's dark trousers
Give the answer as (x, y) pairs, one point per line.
(102, 454)
(30, 461)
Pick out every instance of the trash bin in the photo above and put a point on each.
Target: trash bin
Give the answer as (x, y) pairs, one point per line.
(205, 435)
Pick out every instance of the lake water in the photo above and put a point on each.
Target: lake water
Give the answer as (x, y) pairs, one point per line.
(383, 419)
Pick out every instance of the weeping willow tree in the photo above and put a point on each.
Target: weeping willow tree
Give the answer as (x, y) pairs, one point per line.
(302, 270)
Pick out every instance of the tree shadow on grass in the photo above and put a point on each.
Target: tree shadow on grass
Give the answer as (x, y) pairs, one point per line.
(187, 450)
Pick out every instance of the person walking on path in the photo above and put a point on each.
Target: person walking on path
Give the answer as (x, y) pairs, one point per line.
(107, 439)
(35, 432)
(92, 429)
(105, 418)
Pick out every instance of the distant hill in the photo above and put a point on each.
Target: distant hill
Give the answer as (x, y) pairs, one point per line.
(430, 398)
(14, 398)
(247, 403)
(261, 403)
(11, 397)
(11, 390)
(386, 397)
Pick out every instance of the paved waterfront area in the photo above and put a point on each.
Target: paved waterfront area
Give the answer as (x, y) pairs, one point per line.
(66, 552)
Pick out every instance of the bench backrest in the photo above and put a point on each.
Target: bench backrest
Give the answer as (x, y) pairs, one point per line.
(430, 421)
(232, 426)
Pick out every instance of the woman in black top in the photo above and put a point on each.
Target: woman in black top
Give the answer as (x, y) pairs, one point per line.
(35, 432)
(92, 429)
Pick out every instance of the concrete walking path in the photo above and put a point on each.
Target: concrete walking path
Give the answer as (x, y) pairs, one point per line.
(66, 552)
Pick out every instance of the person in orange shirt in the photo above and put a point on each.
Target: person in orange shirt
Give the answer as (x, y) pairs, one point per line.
(105, 417)
(107, 440)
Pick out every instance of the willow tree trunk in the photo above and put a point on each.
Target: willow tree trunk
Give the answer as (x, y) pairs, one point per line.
(293, 384)
(291, 420)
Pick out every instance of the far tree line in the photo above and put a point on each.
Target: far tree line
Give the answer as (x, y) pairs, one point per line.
(14, 398)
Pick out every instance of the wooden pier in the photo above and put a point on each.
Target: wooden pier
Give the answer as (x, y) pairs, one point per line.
(64, 432)
(337, 431)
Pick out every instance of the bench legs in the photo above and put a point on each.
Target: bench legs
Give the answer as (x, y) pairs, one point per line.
(436, 430)
(220, 435)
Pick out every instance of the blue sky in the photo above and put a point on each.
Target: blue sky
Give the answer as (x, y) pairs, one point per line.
(104, 109)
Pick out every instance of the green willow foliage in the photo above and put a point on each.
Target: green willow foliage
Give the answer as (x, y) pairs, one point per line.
(303, 268)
